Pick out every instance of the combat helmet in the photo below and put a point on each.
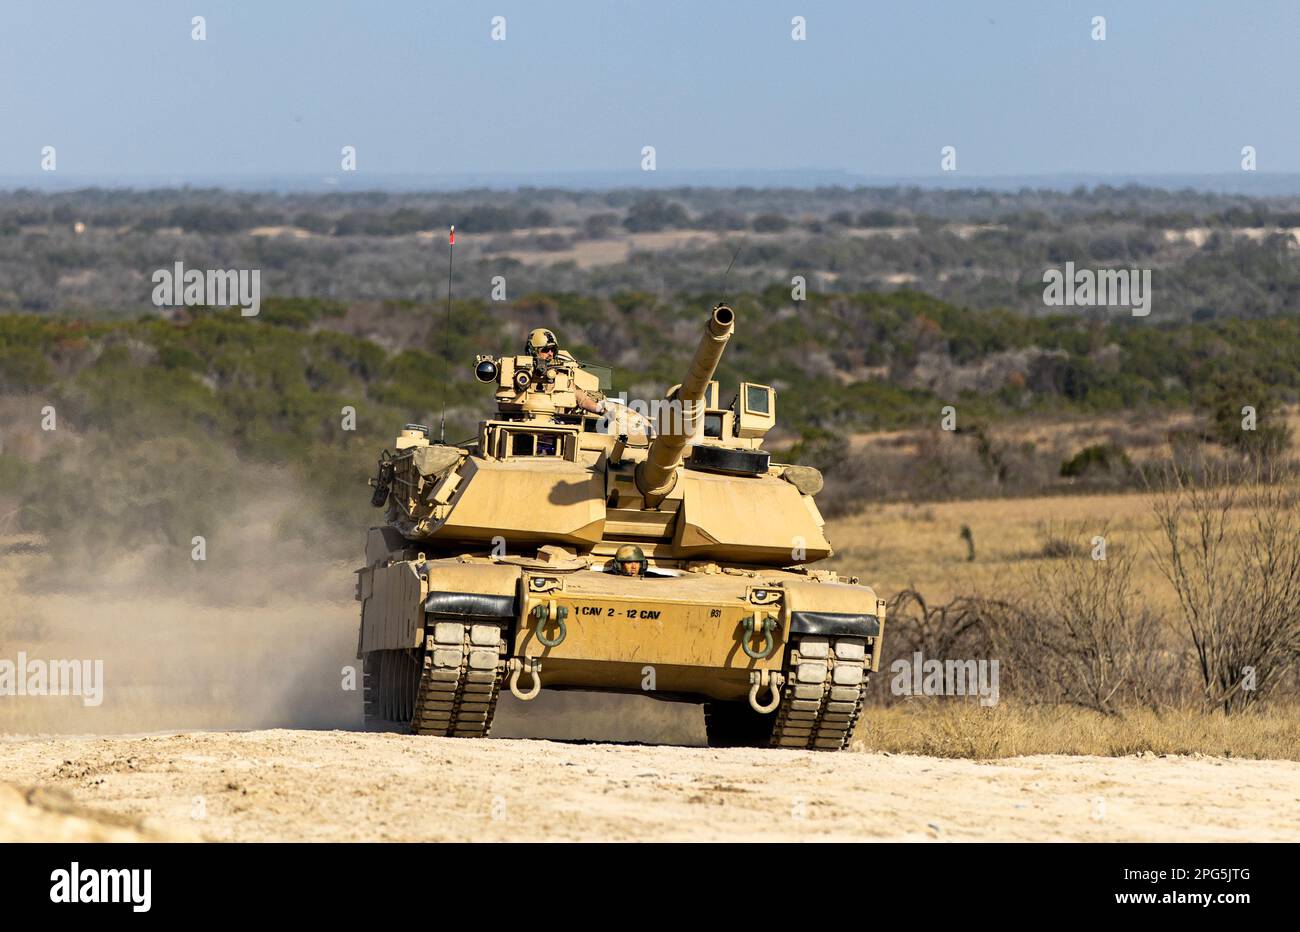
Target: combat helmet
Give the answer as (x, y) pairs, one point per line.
(539, 339)
(630, 553)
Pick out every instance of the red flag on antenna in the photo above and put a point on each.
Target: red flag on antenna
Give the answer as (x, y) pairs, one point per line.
(451, 237)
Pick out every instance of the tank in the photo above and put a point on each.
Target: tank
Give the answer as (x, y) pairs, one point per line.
(495, 567)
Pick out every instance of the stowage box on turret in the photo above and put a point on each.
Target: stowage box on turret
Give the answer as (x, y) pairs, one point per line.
(577, 544)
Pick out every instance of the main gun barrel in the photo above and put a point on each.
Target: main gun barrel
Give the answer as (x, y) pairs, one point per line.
(657, 475)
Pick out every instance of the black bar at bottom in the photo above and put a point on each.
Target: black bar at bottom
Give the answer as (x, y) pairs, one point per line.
(914, 882)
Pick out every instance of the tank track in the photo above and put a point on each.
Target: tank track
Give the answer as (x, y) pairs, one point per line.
(826, 683)
(449, 688)
(460, 679)
(388, 684)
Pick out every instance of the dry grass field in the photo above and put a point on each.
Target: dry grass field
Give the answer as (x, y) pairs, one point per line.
(894, 546)
(1017, 543)
(953, 728)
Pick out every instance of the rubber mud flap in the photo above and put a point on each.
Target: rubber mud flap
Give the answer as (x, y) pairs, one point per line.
(473, 604)
(834, 624)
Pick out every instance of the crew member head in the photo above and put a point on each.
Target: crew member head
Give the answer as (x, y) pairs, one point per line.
(542, 346)
(629, 560)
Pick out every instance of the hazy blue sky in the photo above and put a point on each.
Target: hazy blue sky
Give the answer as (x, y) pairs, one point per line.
(419, 87)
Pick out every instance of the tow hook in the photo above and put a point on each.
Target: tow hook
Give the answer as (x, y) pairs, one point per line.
(544, 613)
(764, 679)
(534, 668)
(765, 625)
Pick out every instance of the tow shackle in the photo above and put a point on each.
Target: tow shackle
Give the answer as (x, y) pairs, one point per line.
(758, 623)
(544, 613)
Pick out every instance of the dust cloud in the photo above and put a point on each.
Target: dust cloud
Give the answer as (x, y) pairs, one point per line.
(260, 634)
(256, 635)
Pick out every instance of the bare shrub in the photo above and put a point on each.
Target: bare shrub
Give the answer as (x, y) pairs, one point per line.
(939, 632)
(1231, 550)
(935, 630)
(854, 482)
(1055, 543)
(1081, 636)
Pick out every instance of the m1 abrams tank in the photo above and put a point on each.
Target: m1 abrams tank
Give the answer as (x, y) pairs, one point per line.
(496, 566)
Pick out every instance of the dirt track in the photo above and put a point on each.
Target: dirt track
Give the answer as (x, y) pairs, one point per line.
(333, 785)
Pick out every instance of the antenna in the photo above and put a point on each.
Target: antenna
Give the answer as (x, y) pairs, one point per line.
(727, 274)
(442, 424)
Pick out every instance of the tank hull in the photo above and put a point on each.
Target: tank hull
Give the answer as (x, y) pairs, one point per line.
(441, 637)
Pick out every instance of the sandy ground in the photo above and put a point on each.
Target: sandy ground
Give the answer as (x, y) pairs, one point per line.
(352, 786)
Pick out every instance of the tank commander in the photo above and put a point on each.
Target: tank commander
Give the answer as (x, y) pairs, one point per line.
(542, 346)
(629, 560)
